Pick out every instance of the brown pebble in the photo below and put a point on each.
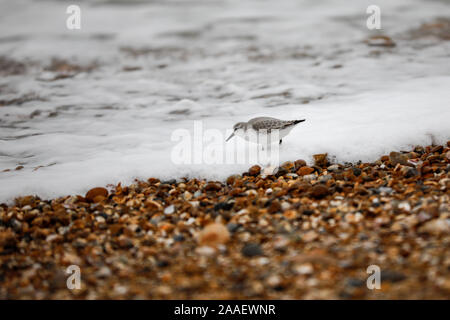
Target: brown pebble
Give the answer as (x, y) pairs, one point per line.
(299, 163)
(213, 235)
(275, 206)
(398, 158)
(321, 160)
(288, 166)
(213, 186)
(380, 41)
(319, 191)
(92, 194)
(303, 171)
(254, 171)
(309, 236)
(437, 149)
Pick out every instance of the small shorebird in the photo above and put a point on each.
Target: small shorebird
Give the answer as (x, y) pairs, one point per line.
(256, 126)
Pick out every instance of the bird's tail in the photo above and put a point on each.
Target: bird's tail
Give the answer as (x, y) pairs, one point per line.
(298, 121)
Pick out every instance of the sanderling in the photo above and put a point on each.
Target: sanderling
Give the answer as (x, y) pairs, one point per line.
(256, 126)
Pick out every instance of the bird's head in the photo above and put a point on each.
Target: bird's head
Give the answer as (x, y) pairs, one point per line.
(238, 129)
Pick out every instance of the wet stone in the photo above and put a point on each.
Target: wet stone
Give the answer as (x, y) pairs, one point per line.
(223, 206)
(233, 227)
(252, 250)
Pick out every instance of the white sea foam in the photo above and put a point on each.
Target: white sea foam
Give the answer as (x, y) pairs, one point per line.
(219, 62)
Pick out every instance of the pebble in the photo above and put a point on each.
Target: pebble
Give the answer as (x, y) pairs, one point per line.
(170, 209)
(254, 171)
(299, 163)
(398, 158)
(305, 268)
(333, 168)
(103, 272)
(319, 191)
(96, 194)
(206, 251)
(436, 227)
(325, 178)
(321, 160)
(233, 227)
(303, 171)
(380, 41)
(309, 177)
(252, 250)
(213, 235)
(309, 236)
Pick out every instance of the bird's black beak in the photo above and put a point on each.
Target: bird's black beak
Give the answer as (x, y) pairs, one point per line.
(232, 135)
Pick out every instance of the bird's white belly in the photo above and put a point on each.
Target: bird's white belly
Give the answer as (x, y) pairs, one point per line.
(253, 136)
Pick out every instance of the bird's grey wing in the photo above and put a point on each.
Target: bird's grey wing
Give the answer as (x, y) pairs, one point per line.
(267, 123)
(257, 119)
(289, 123)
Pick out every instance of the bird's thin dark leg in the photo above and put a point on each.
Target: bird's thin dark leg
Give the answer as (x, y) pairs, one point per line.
(281, 140)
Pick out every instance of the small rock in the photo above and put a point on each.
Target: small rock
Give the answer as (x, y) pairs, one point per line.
(436, 227)
(274, 206)
(437, 149)
(319, 191)
(206, 251)
(213, 235)
(333, 168)
(321, 160)
(232, 179)
(252, 250)
(233, 227)
(170, 209)
(325, 178)
(409, 172)
(179, 238)
(197, 194)
(309, 177)
(103, 272)
(223, 206)
(213, 186)
(285, 205)
(398, 158)
(254, 171)
(288, 166)
(386, 190)
(310, 236)
(380, 41)
(299, 163)
(96, 194)
(356, 171)
(405, 206)
(303, 171)
(152, 205)
(273, 281)
(305, 268)
(187, 195)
